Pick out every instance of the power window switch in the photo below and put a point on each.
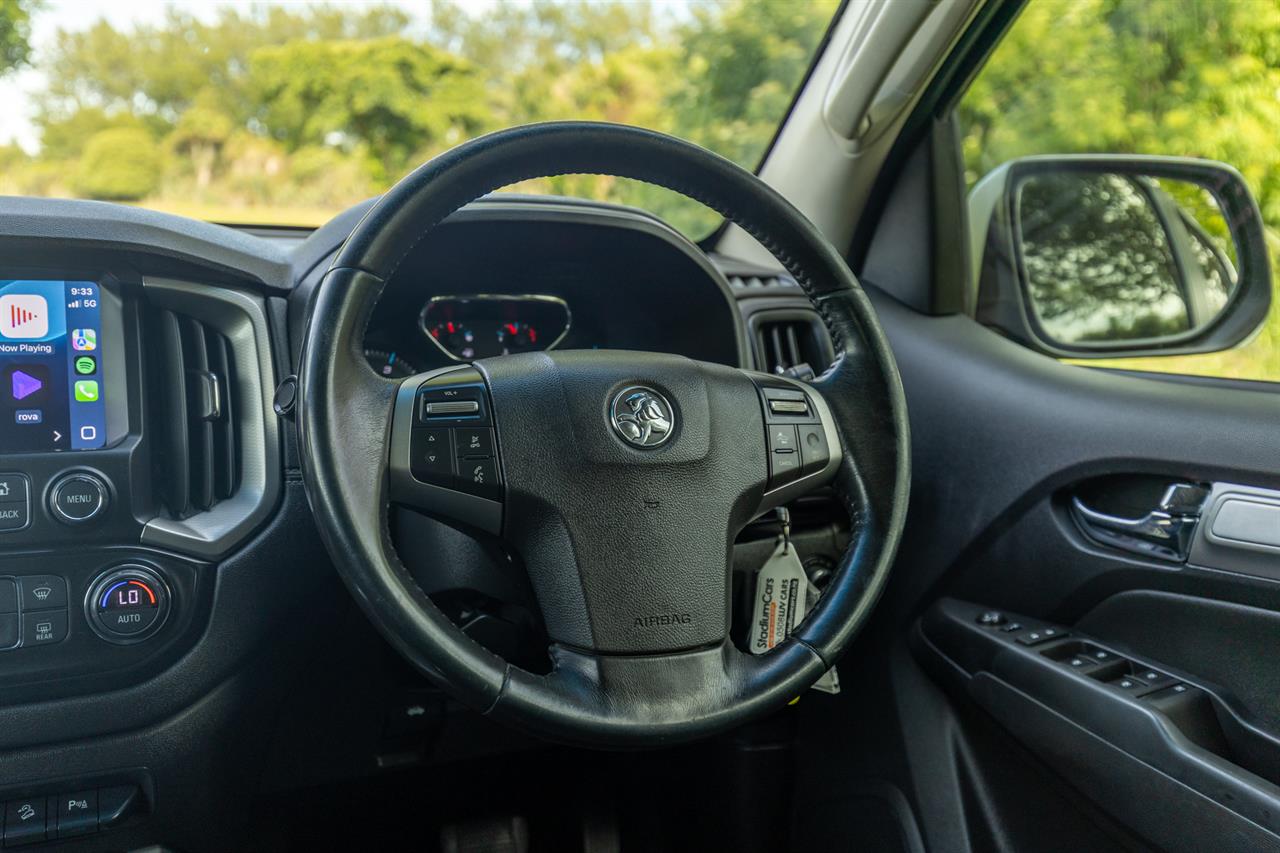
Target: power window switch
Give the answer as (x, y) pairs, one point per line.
(1080, 662)
(1153, 678)
(1040, 635)
(1175, 691)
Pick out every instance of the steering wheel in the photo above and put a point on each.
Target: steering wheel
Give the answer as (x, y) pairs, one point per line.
(620, 478)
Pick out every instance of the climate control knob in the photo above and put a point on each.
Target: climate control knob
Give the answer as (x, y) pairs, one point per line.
(128, 604)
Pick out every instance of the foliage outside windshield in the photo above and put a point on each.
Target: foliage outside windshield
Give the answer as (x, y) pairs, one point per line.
(287, 113)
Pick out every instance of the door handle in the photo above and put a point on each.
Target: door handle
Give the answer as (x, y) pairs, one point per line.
(1165, 532)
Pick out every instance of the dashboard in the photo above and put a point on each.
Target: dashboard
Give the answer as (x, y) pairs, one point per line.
(166, 605)
(506, 276)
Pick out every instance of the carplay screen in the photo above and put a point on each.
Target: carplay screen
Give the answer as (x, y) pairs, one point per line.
(51, 383)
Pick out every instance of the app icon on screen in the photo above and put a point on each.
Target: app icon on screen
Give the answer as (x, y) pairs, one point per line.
(22, 384)
(24, 315)
(85, 365)
(83, 340)
(86, 391)
(26, 382)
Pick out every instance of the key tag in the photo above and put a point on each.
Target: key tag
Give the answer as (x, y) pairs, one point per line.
(783, 596)
(781, 590)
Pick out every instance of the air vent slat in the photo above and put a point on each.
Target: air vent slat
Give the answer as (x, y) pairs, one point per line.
(224, 432)
(199, 408)
(169, 389)
(192, 382)
(756, 282)
(791, 341)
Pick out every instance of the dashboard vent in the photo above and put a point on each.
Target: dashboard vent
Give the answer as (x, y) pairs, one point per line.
(789, 340)
(760, 282)
(193, 382)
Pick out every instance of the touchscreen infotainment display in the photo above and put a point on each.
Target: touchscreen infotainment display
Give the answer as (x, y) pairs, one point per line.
(51, 382)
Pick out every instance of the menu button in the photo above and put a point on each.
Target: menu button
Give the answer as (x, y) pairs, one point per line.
(78, 498)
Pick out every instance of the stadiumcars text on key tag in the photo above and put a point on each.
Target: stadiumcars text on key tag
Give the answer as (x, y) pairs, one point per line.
(784, 594)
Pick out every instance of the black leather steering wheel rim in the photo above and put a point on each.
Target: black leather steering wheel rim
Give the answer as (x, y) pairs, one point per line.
(602, 700)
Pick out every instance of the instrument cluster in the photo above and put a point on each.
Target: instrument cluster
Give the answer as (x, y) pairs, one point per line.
(468, 327)
(481, 326)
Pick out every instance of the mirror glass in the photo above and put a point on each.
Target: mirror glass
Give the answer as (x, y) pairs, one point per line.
(1111, 257)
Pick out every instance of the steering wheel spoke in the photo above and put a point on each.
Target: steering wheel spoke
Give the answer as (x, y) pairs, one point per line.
(443, 453)
(802, 441)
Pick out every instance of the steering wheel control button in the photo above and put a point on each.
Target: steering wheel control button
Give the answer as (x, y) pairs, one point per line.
(450, 408)
(431, 452)
(782, 439)
(813, 447)
(78, 498)
(473, 443)
(453, 399)
(479, 477)
(788, 407)
(784, 466)
(127, 605)
(24, 821)
(43, 592)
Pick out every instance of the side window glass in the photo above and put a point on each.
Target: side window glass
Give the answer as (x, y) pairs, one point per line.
(1187, 78)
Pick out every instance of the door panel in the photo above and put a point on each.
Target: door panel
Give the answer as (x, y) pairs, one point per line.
(1003, 440)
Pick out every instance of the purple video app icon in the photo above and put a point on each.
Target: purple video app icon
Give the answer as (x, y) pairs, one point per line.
(24, 384)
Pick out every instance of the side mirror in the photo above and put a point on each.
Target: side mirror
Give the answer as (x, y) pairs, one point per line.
(1097, 256)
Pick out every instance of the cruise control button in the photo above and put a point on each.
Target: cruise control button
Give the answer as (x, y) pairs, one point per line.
(783, 468)
(43, 592)
(24, 821)
(77, 813)
(782, 437)
(813, 447)
(13, 488)
(14, 516)
(431, 452)
(479, 477)
(44, 629)
(476, 443)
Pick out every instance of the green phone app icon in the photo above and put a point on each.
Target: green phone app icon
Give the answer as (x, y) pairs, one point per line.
(86, 391)
(86, 365)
